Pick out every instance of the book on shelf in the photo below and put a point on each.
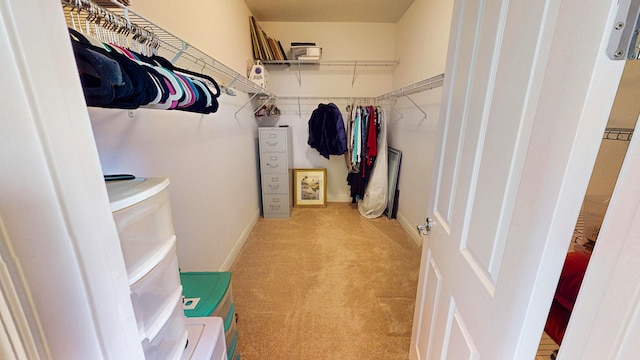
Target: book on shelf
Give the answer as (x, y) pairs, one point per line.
(264, 47)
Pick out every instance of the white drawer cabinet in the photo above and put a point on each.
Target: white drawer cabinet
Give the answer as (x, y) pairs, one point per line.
(142, 214)
(276, 165)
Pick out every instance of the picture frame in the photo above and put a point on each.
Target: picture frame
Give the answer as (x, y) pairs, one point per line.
(309, 187)
(394, 158)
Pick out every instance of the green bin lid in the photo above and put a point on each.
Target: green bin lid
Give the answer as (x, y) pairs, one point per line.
(210, 287)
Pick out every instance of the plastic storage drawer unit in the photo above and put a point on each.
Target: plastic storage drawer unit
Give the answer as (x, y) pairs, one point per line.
(142, 214)
(213, 289)
(230, 325)
(154, 295)
(212, 295)
(206, 339)
(170, 342)
(232, 350)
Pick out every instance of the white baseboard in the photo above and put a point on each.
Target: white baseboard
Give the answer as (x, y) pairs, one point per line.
(226, 266)
(338, 198)
(410, 229)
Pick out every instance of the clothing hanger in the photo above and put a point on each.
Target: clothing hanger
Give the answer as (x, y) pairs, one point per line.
(111, 37)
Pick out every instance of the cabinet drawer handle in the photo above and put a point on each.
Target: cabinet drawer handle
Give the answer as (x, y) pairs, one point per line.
(274, 207)
(272, 165)
(272, 143)
(274, 186)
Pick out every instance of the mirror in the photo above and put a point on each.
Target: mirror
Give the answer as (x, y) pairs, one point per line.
(394, 158)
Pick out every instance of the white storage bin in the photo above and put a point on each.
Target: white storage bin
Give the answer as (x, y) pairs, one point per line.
(170, 342)
(142, 214)
(206, 339)
(154, 295)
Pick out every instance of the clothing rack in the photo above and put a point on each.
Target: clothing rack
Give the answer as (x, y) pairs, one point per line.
(265, 100)
(620, 134)
(405, 91)
(182, 54)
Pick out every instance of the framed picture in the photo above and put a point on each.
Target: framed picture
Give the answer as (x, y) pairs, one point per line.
(309, 187)
(395, 158)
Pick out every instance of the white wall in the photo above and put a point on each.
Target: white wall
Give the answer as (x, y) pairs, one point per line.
(210, 159)
(339, 41)
(421, 46)
(212, 164)
(220, 28)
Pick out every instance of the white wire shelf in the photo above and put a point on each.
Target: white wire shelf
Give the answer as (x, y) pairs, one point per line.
(422, 85)
(355, 64)
(346, 63)
(127, 24)
(619, 134)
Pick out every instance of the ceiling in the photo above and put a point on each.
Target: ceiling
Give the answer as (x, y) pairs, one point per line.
(372, 11)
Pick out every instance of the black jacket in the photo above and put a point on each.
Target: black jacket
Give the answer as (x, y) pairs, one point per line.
(326, 130)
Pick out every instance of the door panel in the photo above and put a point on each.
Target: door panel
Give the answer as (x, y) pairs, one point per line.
(460, 334)
(454, 130)
(497, 234)
(432, 287)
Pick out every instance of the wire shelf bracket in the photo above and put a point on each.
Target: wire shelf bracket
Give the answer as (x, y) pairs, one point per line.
(623, 42)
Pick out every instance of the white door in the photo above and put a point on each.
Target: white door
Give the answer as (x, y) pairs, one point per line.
(605, 323)
(526, 98)
(59, 242)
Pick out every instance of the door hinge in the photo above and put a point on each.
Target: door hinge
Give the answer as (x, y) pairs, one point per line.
(623, 42)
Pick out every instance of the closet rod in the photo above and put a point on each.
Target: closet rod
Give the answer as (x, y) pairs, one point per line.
(354, 98)
(97, 14)
(265, 100)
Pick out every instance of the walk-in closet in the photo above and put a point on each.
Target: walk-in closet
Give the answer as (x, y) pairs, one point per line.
(246, 179)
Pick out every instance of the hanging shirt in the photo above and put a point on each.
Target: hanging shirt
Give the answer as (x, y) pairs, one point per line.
(355, 138)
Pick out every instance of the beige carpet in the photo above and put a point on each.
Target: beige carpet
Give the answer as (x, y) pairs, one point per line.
(326, 284)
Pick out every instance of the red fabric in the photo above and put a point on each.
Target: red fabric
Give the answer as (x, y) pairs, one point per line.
(372, 135)
(575, 265)
(557, 322)
(571, 277)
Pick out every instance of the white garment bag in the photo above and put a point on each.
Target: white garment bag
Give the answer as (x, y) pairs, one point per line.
(375, 197)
